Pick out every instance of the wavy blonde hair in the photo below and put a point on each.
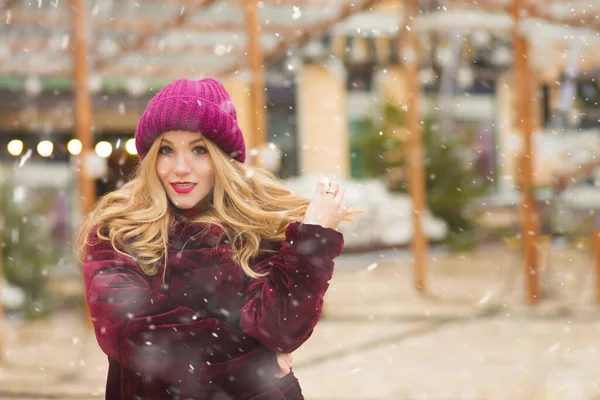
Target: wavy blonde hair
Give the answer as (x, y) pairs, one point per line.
(250, 205)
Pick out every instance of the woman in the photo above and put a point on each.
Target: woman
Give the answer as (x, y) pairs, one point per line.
(204, 274)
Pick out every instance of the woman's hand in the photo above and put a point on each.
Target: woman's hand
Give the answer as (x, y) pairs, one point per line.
(326, 207)
(284, 360)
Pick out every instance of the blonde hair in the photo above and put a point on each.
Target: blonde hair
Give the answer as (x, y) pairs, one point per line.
(250, 205)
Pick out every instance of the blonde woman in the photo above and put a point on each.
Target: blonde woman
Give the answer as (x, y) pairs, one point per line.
(202, 273)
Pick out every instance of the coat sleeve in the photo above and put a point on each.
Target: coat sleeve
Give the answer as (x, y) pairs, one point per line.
(282, 308)
(136, 324)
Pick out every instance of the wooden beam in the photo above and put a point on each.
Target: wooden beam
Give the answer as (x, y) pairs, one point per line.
(160, 72)
(58, 19)
(415, 153)
(524, 111)
(535, 10)
(178, 21)
(305, 34)
(487, 5)
(305, 3)
(299, 37)
(300, 3)
(119, 72)
(588, 21)
(257, 80)
(563, 180)
(38, 45)
(41, 72)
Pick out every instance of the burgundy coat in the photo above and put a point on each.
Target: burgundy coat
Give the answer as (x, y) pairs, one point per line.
(208, 331)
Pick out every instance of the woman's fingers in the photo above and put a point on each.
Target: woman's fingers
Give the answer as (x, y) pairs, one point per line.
(335, 187)
(287, 360)
(340, 194)
(326, 207)
(322, 184)
(285, 364)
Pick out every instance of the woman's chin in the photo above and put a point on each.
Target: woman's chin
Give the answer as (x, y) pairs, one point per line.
(183, 205)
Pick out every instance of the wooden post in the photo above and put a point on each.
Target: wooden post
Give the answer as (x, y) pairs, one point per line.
(524, 105)
(82, 104)
(416, 153)
(257, 83)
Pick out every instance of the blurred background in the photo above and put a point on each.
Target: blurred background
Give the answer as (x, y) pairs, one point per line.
(468, 131)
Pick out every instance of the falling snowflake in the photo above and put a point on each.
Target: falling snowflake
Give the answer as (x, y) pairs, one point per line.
(297, 13)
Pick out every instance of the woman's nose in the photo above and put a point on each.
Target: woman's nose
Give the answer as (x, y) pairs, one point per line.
(182, 165)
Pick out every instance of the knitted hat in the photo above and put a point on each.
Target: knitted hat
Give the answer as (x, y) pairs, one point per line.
(196, 106)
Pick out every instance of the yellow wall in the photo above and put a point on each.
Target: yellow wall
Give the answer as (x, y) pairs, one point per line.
(322, 123)
(505, 128)
(390, 5)
(507, 125)
(239, 91)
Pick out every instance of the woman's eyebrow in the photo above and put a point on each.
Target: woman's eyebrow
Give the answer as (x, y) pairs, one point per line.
(200, 140)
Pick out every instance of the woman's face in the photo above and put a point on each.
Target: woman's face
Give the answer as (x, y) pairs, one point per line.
(184, 168)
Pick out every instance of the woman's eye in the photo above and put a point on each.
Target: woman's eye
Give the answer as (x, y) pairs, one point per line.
(199, 150)
(165, 150)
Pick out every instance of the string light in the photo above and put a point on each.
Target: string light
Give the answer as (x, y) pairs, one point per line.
(45, 148)
(15, 147)
(103, 149)
(130, 147)
(74, 147)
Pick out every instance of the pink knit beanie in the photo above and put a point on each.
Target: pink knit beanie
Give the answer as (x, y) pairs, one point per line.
(197, 106)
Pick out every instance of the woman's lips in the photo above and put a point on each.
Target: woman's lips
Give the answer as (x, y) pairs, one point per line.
(183, 187)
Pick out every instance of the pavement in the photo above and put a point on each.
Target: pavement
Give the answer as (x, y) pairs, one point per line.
(471, 336)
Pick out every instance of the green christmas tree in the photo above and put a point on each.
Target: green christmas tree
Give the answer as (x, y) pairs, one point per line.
(452, 181)
(28, 250)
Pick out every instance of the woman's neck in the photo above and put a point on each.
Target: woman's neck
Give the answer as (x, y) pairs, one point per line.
(190, 213)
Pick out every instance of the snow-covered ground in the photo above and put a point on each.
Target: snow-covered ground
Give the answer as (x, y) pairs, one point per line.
(473, 336)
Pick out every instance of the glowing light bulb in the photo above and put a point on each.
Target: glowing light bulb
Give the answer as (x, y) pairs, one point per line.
(45, 148)
(130, 147)
(74, 147)
(103, 149)
(15, 147)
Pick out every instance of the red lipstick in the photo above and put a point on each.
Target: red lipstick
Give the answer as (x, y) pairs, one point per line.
(183, 187)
